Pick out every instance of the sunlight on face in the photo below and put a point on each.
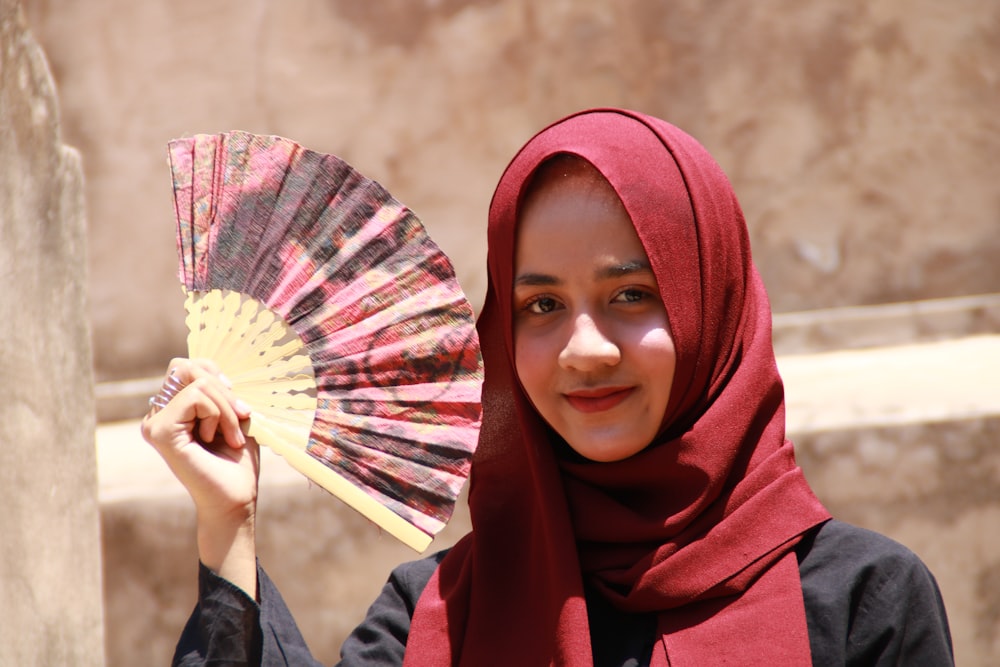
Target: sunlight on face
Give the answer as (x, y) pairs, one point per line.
(593, 348)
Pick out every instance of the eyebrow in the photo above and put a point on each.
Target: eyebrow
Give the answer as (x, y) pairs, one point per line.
(535, 280)
(604, 273)
(625, 269)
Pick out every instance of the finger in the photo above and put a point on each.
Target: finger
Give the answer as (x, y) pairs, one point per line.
(179, 403)
(223, 412)
(230, 424)
(162, 425)
(203, 367)
(208, 422)
(182, 367)
(190, 370)
(241, 408)
(217, 413)
(169, 387)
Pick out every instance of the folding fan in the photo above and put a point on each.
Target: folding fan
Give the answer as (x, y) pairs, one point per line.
(338, 321)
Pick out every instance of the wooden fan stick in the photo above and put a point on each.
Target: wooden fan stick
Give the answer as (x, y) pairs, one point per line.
(388, 520)
(267, 363)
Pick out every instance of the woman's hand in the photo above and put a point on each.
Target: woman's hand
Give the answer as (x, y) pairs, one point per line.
(197, 432)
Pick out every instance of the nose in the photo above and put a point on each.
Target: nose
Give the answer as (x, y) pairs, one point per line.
(588, 347)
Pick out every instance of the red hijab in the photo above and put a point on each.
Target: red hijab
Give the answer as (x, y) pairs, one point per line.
(698, 528)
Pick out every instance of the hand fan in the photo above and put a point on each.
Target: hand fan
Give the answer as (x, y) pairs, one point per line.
(336, 318)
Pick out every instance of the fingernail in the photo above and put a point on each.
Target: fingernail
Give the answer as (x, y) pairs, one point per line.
(226, 381)
(241, 406)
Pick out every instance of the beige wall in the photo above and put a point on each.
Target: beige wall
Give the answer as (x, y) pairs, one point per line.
(50, 576)
(861, 135)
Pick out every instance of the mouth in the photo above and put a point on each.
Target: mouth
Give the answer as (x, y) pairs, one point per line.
(598, 400)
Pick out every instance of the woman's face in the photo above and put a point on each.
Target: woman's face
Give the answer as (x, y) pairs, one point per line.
(593, 348)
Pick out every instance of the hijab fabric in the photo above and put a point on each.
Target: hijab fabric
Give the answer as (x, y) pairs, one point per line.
(698, 528)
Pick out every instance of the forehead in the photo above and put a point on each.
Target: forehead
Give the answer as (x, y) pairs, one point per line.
(572, 216)
(564, 170)
(565, 184)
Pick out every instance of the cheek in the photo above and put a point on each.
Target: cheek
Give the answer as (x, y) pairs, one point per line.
(657, 341)
(656, 347)
(530, 364)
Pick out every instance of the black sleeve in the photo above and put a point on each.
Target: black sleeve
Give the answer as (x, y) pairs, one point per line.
(380, 640)
(228, 628)
(224, 627)
(870, 601)
(282, 645)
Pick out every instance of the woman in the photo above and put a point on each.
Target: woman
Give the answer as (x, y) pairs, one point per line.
(634, 500)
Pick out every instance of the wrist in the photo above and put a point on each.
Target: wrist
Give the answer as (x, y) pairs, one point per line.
(227, 546)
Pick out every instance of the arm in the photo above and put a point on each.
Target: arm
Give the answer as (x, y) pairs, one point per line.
(224, 627)
(228, 624)
(240, 617)
(196, 430)
(228, 627)
(198, 435)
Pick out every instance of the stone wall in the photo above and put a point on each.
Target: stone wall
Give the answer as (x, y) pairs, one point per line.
(861, 136)
(50, 576)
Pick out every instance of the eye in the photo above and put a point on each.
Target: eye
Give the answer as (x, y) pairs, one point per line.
(540, 305)
(632, 295)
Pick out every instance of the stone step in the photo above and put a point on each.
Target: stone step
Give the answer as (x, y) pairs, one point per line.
(883, 325)
(919, 383)
(943, 380)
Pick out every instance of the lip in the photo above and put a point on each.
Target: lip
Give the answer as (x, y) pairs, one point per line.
(598, 400)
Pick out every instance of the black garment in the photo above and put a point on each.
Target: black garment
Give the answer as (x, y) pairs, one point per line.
(869, 601)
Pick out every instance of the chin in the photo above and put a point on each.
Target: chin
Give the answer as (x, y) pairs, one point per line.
(600, 452)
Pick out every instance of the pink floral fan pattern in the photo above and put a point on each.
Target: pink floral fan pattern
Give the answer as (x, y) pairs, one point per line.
(338, 319)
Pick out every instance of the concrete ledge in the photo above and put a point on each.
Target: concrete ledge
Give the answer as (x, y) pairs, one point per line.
(901, 440)
(944, 380)
(883, 325)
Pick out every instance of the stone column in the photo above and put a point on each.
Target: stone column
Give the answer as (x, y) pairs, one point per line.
(50, 556)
